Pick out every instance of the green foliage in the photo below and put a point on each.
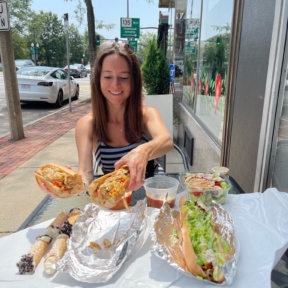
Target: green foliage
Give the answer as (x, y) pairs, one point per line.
(155, 70)
(22, 51)
(20, 13)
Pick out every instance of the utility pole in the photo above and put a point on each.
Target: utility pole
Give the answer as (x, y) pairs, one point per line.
(66, 27)
(10, 79)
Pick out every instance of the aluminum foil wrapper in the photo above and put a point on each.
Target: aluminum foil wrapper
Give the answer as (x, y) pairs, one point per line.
(102, 240)
(165, 247)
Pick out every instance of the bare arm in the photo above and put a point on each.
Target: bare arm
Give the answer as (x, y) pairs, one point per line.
(84, 143)
(160, 144)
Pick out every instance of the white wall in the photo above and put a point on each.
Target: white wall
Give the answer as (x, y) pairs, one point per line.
(164, 103)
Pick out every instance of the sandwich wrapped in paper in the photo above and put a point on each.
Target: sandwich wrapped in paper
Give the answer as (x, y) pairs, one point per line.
(59, 181)
(109, 191)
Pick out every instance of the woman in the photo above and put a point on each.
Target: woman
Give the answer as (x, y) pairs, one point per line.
(120, 122)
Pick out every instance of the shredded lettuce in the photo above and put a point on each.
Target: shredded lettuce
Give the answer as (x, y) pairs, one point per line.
(208, 247)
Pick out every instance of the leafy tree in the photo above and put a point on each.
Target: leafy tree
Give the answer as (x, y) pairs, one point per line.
(20, 47)
(19, 12)
(155, 70)
(143, 44)
(53, 40)
(76, 44)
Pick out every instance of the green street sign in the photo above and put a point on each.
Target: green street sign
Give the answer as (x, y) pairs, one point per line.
(190, 49)
(130, 27)
(134, 44)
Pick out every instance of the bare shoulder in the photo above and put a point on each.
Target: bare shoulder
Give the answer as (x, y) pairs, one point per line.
(149, 111)
(85, 120)
(85, 123)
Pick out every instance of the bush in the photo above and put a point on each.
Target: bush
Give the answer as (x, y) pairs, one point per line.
(155, 70)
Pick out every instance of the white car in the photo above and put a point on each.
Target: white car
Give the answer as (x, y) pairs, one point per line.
(46, 84)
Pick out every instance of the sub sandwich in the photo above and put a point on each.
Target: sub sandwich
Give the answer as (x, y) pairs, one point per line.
(198, 240)
(59, 181)
(205, 250)
(109, 191)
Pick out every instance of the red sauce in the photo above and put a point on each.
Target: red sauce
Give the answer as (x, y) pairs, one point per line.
(120, 204)
(157, 203)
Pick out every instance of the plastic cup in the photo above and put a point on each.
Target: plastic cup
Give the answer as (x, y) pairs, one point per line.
(158, 187)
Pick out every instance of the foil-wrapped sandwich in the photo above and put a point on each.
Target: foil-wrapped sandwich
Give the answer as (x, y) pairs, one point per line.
(102, 240)
(59, 181)
(196, 240)
(109, 190)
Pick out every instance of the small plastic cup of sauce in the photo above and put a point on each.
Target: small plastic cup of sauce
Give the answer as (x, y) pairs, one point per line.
(158, 187)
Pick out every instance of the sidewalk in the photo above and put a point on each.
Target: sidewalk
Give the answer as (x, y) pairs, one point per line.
(50, 139)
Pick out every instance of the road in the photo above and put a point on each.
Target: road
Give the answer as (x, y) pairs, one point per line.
(33, 111)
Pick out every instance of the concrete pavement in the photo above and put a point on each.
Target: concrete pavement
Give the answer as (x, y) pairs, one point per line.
(49, 140)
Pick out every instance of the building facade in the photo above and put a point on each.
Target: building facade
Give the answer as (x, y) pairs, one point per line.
(234, 87)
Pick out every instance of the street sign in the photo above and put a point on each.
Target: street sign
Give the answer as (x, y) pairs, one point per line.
(130, 27)
(4, 16)
(134, 44)
(66, 22)
(172, 72)
(190, 48)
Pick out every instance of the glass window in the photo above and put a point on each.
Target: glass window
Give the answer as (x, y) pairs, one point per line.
(280, 171)
(207, 40)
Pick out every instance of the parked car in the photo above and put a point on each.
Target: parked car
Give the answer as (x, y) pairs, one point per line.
(77, 70)
(20, 63)
(88, 68)
(46, 84)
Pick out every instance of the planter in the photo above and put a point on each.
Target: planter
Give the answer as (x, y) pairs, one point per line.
(164, 104)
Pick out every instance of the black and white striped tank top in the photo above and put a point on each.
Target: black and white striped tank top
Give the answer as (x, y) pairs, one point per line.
(106, 156)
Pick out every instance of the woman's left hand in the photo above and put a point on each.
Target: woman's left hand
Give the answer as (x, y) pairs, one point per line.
(136, 161)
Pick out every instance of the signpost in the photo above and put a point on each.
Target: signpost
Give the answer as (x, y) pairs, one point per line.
(134, 44)
(66, 28)
(9, 72)
(4, 16)
(130, 27)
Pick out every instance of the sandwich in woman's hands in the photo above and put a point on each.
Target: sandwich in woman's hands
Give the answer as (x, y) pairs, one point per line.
(109, 190)
(59, 181)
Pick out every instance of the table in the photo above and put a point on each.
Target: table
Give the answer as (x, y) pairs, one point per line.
(261, 233)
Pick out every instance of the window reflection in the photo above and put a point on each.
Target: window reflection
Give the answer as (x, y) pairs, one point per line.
(206, 62)
(280, 171)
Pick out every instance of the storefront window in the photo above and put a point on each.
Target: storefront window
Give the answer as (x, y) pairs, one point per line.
(280, 172)
(207, 37)
(191, 43)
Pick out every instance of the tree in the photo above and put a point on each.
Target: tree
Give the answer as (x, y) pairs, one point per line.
(155, 70)
(143, 44)
(19, 12)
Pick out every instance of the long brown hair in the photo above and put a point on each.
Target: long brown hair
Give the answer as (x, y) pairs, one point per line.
(133, 118)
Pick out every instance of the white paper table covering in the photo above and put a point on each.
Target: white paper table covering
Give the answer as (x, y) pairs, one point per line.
(261, 224)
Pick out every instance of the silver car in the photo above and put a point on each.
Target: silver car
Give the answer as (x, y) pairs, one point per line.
(20, 63)
(46, 84)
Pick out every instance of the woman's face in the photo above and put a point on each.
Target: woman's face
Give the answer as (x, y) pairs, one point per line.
(115, 79)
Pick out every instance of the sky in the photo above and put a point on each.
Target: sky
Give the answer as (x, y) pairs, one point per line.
(108, 11)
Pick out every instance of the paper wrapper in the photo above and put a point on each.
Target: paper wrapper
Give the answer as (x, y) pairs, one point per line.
(102, 240)
(165, 247)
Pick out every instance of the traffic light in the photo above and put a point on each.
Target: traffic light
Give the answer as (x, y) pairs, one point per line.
(97, 40)
(218, 41)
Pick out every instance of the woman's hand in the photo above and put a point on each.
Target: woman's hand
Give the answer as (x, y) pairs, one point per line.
(137, 162)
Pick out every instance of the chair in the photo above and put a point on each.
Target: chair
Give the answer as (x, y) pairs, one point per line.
(160, 160)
